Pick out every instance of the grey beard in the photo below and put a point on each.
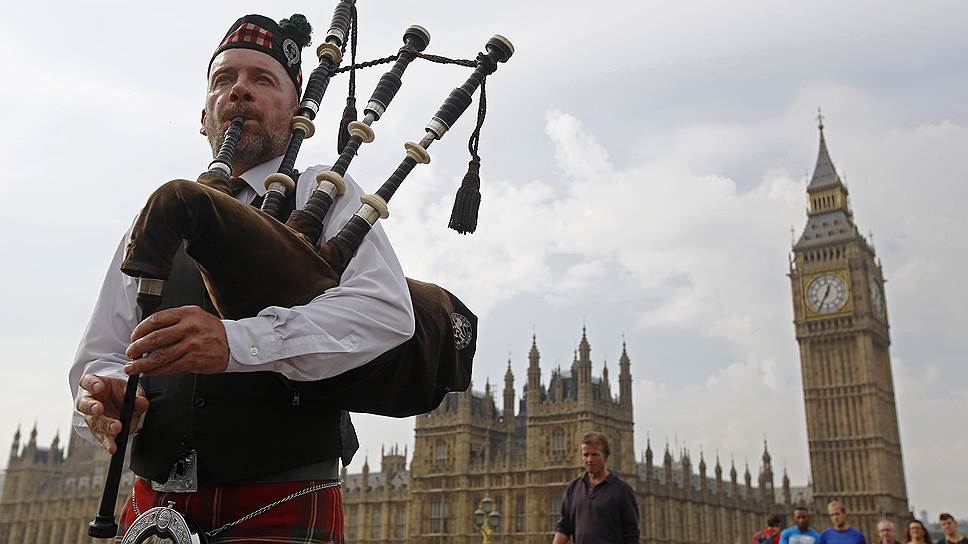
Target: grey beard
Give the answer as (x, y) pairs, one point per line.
(252, 148)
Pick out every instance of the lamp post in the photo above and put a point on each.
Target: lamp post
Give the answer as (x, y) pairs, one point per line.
(486, 518)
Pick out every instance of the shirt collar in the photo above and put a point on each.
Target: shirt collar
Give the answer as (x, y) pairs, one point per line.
(608, 477)
(256, 176)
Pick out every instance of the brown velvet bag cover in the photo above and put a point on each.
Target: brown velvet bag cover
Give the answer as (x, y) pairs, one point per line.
(413, 377)
(250, 261)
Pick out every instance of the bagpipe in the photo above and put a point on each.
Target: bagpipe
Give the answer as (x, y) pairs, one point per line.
(217, 232)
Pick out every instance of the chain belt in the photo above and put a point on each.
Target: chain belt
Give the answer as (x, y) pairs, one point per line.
(257, 512)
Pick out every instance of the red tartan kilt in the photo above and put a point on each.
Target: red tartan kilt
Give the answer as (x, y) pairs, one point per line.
(313, 518)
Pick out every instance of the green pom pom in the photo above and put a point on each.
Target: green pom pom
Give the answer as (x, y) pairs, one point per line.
(298, 28)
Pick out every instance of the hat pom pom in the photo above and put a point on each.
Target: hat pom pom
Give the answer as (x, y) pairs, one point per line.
(298, 28)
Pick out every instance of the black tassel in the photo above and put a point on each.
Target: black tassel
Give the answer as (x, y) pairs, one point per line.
(349, 115)
(463, 218)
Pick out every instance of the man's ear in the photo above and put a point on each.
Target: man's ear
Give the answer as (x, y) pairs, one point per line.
(201, 129)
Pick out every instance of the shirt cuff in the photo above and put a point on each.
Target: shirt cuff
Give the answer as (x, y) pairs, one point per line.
(263, 339)
(251, 342)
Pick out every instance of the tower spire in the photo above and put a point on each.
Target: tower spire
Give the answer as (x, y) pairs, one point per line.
(534, 368)
(624, 377)
(584, 348)
(509, 396)
(824, 174)
(830, 219)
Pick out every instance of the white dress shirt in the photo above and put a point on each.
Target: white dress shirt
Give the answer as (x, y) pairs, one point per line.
(368, 313)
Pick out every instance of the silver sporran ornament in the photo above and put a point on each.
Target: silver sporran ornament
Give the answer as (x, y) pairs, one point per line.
(162, 524)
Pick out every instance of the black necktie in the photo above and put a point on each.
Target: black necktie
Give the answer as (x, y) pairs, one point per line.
(236, 186)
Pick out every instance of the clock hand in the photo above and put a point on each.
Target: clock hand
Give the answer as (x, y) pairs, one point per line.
(824, 299)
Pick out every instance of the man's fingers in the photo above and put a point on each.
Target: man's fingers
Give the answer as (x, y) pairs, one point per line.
(156, 359)
(153, 341)
(160, 320)
(173, 367)
(92, 383)
(89, 406)
(103, 427)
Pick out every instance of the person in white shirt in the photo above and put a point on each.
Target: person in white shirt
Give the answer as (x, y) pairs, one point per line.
(224, 395)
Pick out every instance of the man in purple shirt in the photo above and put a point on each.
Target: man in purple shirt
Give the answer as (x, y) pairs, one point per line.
(840, 533)
(598, 507)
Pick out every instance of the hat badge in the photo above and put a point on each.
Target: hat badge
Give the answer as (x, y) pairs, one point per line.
(291, 51)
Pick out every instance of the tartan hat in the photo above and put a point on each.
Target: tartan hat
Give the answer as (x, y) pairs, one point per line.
(282, 41)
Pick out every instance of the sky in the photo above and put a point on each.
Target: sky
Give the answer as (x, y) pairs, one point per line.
(644, 170)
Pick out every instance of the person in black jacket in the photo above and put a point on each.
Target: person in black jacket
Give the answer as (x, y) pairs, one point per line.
(598, 506)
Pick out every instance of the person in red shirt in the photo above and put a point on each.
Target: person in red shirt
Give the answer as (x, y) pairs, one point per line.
(770, 534)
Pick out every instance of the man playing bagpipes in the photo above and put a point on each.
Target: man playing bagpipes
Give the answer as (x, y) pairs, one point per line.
(219, 411)
(243, 416)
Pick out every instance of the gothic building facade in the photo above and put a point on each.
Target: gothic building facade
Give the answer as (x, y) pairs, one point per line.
(523, 452)
(840, 315)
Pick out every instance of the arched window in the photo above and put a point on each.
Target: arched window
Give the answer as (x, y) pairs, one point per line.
(438, 514)
(440, 452)
(375, 519)
(559, 445)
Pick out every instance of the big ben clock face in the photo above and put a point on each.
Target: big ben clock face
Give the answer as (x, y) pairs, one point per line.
(877, 298)
(827, 294)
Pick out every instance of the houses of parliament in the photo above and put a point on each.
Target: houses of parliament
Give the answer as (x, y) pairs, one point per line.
(522, 450)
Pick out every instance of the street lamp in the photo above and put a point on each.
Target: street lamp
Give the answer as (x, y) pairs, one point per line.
(486, 518)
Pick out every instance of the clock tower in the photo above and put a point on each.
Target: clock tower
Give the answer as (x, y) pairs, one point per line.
(840, 315)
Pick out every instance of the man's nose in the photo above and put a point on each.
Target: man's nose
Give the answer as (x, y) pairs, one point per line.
(240, 91)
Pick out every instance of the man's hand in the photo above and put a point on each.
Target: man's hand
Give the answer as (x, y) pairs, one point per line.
(101, 406)
(186, 339)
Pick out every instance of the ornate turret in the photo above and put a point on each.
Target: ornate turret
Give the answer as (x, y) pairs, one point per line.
(624, 377)
(786, 488)
(733, 484)
(534, 369)
(32, 444)
(606, 388)
(718, 471)
(56, 453)
(509, 397)
(686, 471)
(749, 481)
(766, 476)
(649, 470)
(15, 447)
(667, 464)
(583, 368)
(584, 348)
(702, 471)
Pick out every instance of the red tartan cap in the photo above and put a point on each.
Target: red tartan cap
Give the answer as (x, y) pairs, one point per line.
(282, 41)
